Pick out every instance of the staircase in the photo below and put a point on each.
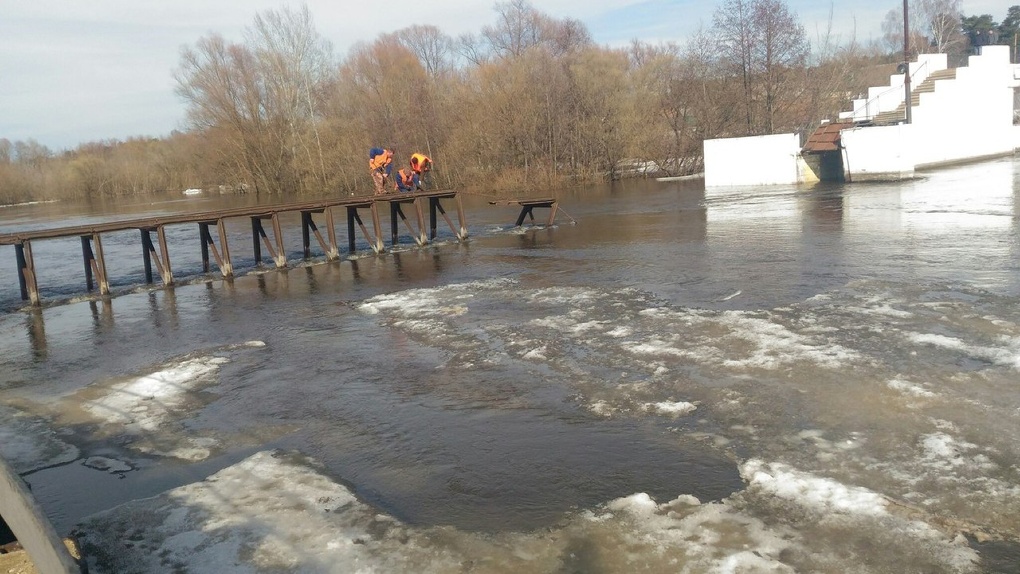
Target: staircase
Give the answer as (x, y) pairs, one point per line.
(928, 85)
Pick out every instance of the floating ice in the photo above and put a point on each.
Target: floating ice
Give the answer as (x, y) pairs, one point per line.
(671, 408)
(822, 494)
(29, 443)
(145, 402)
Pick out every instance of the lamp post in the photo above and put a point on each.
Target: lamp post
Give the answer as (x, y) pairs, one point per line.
(906, 62)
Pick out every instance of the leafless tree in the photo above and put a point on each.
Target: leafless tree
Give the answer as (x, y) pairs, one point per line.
(779, 57)
(733, 22)
(939, 20)
(433, 48)
(518, 27)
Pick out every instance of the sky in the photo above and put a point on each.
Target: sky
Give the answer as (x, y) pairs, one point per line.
(74, 72)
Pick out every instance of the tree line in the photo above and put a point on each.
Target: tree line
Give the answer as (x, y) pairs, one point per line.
(530, 101)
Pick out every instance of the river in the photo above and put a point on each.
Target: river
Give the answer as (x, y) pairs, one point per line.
(669, 379)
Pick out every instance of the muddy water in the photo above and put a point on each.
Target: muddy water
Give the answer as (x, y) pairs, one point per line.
(830, 372)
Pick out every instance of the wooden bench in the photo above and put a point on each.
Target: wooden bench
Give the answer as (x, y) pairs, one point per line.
(528, 206)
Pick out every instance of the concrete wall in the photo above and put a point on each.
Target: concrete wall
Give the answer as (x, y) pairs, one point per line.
(758, 160)
(970, 116)
(878, 153)
(966, 118)
(888, 98)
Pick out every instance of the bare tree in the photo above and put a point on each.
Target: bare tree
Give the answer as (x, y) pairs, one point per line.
(939, 20)
(295, 61)
(935, 26)
(780, 55)
(259, 99)
(472, 49)
(433, 48)
(733, 23)
(518, 27)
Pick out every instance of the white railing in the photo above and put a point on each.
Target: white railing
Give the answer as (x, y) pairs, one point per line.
(883, 101)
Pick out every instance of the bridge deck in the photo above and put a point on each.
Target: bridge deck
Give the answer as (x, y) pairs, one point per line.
(157, 253)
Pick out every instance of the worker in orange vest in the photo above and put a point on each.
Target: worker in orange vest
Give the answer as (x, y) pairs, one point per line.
(380, 163)
(420, 166)
(407, 180)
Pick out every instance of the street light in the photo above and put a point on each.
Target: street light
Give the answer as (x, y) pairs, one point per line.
(906, 61)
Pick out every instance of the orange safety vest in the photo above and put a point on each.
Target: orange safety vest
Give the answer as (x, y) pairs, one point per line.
(404, 177)
(420, 163)
(380, 161)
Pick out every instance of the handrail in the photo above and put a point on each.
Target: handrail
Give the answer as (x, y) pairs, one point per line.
(29, 524)
(868, 115)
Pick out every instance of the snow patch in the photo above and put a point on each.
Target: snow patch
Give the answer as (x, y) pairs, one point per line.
(821, 494)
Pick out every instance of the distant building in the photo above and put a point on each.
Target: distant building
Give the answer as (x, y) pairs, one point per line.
(957, 114)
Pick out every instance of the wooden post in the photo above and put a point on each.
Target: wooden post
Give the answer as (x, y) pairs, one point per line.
(205, 240)
(334, 252)
(422, 237)
(34, 531)
(209, 245)
(308, 225)
(378, 246)
(281, 255)
(461, 219)
(257, 233)
(525, 211)
(86, 254)
(162, 259)
(352, 213)
(99, 265)
(394, 209)
(306, 240)
(433, 203)
(552, 213)
(165, 270)
(26, 273)
(226, 266)
(147, 254)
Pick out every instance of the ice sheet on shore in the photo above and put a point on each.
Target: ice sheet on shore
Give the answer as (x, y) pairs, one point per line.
(29, 443)
(277, 511)
(139, 406)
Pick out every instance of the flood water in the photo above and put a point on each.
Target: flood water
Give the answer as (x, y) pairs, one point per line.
(783, 379)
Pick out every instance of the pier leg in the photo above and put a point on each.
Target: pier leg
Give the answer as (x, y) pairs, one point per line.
(433, 203)
(257, 233)
(306, 240)
(525, 211)
(352, 213)
(99, 265)
(308, 225)
(26, 277)
(162, 258)
(394, 209)
(281, 255)
(165, 271)
(86, 254)
(460, 219)
(377, 227)
(147, 254)
(226, 266)
(421, 237)
(333, 253)
(442, 212)
(257, 225)
(205, 240)
(552, 213)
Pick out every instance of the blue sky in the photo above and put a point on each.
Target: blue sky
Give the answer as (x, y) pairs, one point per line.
(72, 72)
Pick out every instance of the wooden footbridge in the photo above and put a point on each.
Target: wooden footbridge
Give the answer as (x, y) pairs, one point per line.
(213, 235)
